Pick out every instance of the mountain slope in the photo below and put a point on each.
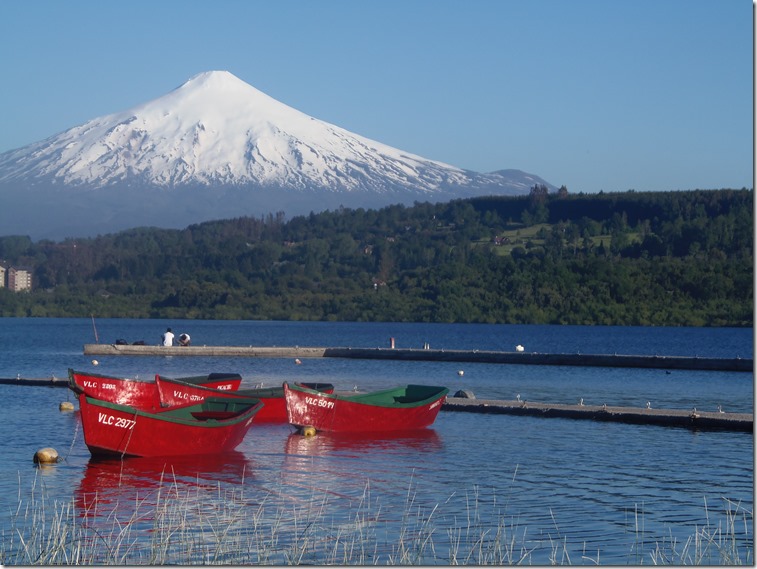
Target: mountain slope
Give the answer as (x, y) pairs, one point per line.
(215, 147)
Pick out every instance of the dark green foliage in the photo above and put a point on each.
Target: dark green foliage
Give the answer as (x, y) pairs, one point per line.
(651, 258)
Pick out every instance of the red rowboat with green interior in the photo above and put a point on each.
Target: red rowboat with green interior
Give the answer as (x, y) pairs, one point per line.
(178, 391)
(140, 393)
(215, 425)
(398, 409)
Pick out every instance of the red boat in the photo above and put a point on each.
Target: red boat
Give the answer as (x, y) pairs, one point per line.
(398, 409)
(139, 393)
(177, 391)
(215, 425)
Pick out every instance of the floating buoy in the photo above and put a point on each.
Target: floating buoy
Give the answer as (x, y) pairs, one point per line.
(66, 406)
(308, 431)
(95, 363)
(297, 361)
(460, 372)
(46, 455)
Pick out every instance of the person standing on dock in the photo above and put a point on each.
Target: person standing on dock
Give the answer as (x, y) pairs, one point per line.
(167, 337)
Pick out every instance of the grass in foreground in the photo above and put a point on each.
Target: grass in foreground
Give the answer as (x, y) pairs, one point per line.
(195, 526)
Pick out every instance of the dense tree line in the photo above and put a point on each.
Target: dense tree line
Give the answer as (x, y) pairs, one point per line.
(631, 258)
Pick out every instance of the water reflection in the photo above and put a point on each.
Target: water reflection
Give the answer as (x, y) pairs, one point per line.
(341, 466)
(357, 444)
(106, 483)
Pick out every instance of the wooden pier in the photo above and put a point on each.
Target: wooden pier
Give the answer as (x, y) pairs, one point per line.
(477, 356)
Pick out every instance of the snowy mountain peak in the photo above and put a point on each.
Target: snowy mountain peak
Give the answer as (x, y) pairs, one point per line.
(221, 94)
(217, 129)
(224, 84)
(216, 79)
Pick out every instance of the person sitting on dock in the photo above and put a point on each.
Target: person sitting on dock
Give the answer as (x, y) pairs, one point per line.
(167, 337)
(184, 339)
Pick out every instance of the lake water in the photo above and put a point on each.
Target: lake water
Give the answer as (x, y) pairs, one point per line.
(473, 488)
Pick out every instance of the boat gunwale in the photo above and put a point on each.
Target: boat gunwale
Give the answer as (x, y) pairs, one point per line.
(72, 372)
(167, 414)
(380, 398)
(210, 377)
(272, 392)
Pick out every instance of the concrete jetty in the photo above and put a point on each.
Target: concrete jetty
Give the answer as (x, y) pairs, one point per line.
(477, 356)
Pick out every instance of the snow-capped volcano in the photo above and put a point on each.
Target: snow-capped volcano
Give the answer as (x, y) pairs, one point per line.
(250, 153)
(215, 128)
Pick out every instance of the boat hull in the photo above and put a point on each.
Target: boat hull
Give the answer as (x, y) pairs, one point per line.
(177, 392)
(213, 426)
(140, 393)
(401, 409)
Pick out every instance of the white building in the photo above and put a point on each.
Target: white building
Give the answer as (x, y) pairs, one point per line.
(19, 279)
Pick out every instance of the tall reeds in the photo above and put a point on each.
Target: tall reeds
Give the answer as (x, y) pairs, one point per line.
(198, 525)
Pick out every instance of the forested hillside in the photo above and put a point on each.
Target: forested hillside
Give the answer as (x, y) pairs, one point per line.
(631, 258)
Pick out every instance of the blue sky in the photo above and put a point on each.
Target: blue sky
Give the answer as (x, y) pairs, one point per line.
(592, 94)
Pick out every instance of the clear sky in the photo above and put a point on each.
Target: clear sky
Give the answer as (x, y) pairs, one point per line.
(591, 94)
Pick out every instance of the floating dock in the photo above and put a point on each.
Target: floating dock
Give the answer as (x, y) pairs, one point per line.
(694, 419)
(477, 356)
(36, 381)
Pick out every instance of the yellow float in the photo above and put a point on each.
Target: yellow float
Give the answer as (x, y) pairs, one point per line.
(46, 455)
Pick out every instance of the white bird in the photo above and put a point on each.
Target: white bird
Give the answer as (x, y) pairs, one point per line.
(649, 405)
(581, 402)
(461, 372)
(519, 348)
(517, 397)
(720, 409)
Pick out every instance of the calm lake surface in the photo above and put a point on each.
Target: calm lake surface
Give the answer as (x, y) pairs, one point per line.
(563, 490)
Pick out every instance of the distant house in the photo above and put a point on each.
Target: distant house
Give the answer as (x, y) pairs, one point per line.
(3, 271)
(19, 279)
